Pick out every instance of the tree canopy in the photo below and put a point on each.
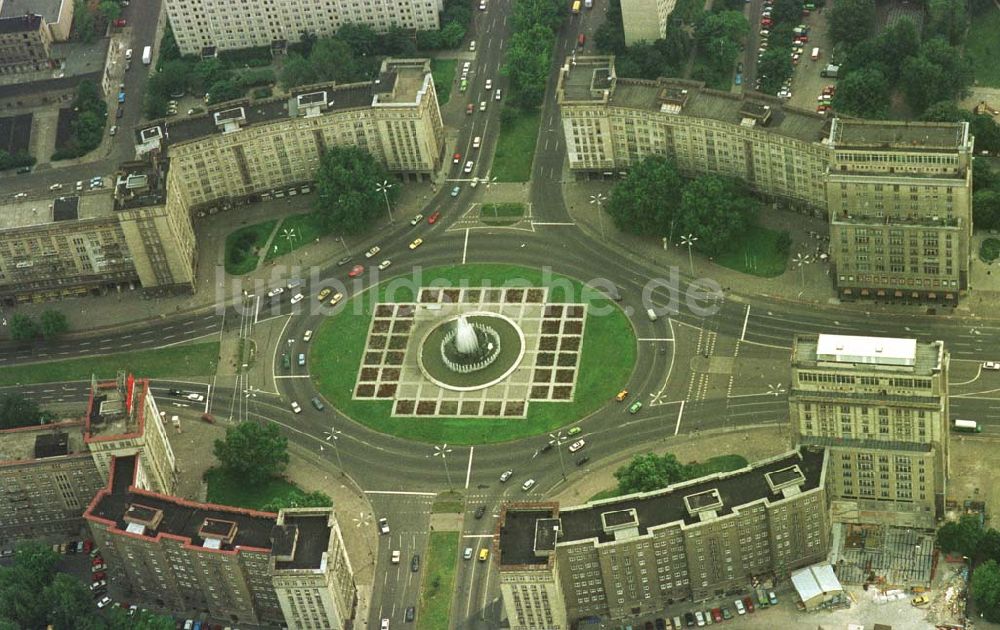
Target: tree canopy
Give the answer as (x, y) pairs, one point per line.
(851, 21)
(252, 452)
(863, 93)
(648, 472)
(17, 410)
(986, 589)
(299, 499)
(718, 210)
(962, 536)
(645, 201)
(346, 182)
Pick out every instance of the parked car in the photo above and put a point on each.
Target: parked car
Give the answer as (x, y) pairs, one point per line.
(374, 250)
(317, 403)
(505, 475)
(748, 602)
(383, 525)
(297, 298)
(410, 613)
(104, 602)
(417, 219)
(991, 365)
(636, 406)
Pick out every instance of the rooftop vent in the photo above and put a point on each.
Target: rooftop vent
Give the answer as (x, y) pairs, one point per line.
(143, 517)
(218, 529)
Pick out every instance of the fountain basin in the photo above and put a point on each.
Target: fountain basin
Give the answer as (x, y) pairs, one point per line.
(449, 370)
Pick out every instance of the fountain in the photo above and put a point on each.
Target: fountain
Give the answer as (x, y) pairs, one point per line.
(469, 347)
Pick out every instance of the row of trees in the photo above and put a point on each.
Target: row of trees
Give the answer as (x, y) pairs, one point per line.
(216, 76)
(454, 20)
(50, 324)
(17, 410)
(985, 196)
(353, 54)
(650, 60)
(87, 127)
(348, 199)
(90, 19)
(925, 68)
(529, 54)
(967, 537)
(34, 594)
(648, 472)
(654, 199)
(15, 160)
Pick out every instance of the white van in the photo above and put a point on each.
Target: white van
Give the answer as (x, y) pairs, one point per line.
(815, 54)
(651, 314)
(476, 142)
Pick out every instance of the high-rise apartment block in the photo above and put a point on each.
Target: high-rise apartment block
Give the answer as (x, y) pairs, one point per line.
(645, 20)
(49, 473)
(880, 406)
(203, 26)
(24, 44)
(252, 567)
(635, 555)
(897, 194)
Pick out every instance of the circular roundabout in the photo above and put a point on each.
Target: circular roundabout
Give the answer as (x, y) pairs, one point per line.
(473, 354)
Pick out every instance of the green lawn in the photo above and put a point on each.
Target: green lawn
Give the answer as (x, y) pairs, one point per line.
(242, 247)
(605, 365)
(304, 228)
(756, 254)
(989, 250)
(227, 490)
(443, 71)
(501, 213)
(438, 584)
(186, 360)
(516, 147)
(981, 48)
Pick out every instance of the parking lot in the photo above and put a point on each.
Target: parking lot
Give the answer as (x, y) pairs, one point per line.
(807, 83)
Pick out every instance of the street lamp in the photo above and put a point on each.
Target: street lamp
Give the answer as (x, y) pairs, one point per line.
(775, 390)
(801, 260)
(290, 235)
(384, 189)
(689, 240)
(332, 436)
(599, 199)
(442, 452)
(488, 181)
(558, 437)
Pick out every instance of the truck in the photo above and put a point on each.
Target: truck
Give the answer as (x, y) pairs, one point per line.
(967, 426)
(147, 55)
(830, 71)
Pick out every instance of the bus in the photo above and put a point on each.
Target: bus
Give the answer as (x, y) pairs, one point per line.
(576, 7)
(967, 426)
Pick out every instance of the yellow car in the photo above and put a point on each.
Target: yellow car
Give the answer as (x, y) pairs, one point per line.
(920, 600)
(417, 243)
(322, 294)
(621, 395)
(336, 298)
(484, 553)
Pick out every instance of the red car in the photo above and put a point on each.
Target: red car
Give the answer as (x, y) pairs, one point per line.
(470, 108)
(717, 615)
(356, 271)
(88, 545)
(802, 38)
(456, 159)
(766, 22)
(434, 217)
(120, 22)
(97, 577)
(748, 602)
(96, 561)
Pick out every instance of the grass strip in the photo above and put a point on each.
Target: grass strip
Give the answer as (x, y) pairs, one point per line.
(438, 585)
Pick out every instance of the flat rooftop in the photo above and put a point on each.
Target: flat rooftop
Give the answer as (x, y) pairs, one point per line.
(585, 79)
(48, 9)
(517, 535)
(856, 351)
(868, 134)
(29, 212)
(19, 23)
(180, 518)
(40, 442)
(313, 541)
(665, 506)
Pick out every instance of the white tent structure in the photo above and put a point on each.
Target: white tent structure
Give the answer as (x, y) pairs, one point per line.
(816, 585)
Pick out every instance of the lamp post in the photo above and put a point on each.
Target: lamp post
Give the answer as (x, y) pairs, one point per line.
(442, 452)
(332, 436)
(289, 235)
(599, 199)
(689, 240)
(801, 260)
(558, 437)
(384, 189)
(775, 390)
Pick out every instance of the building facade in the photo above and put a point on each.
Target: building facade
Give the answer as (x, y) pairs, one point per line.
(49, 473)
(25, 43)
(880, 406)
(897, 194)
(243, 565)
(203, 25)
(95, 241)
(243, 151)
(645, 20)
(900, 203)
(640, 554)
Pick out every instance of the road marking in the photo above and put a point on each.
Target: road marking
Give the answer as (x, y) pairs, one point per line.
(465, 247)
(746, 318)
(767, 345)
(680, 412)
(468, 471)
(402, 493)
(655, 339)
(175, 343)
(477, 535)
(293, 376)
(534, 223)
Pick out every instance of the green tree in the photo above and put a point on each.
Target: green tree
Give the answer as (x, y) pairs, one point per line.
(69, 601)
(962, 536)
(947, 19)
(110, 9)
(360, 38)
(718, 210)
(297, 71)
(22, 583)
(729, 25)
(786, 12)
(863, 93)
(397, 42)
(645, 201)
(531, 13)
(987, 133)
(946, 111)
(983, 177)
(299, 499)
(451, 35)
(649, 472)
(17, 410)
(208, 72)
(23, 327)
(851, 21)
(986, 589)
(346, 198)
(776, 64)
(986, 211)
(53, 323)
(609, 38)
(989, 546)
(528, 56)
(643, 61)
(252, 452)
(223, 91)
(307, 39)
(937, 73)
(899, 42)
(429, 40)
(83, 22)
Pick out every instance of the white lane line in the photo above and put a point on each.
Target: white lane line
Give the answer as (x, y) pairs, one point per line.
(468, 471)
(655, 339)
(465, 247)
(534, 223)
(477, 535)
(401, 493)
(293, 376)
(680, 412)
(746, 318)
(175, 343)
